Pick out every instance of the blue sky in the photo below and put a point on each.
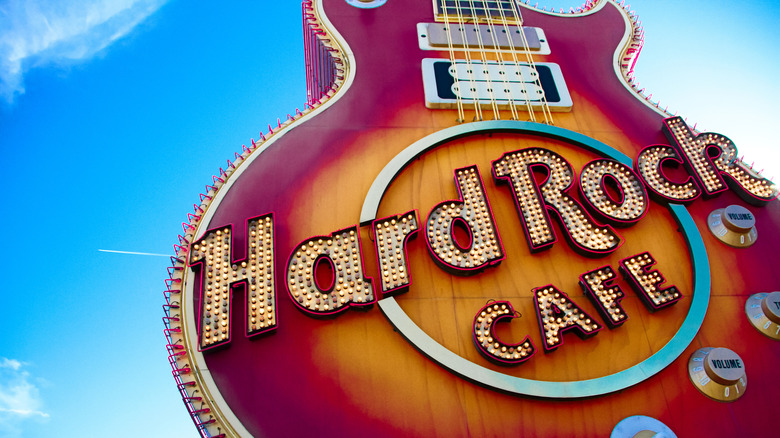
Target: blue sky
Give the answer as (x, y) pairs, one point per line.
(115, 114)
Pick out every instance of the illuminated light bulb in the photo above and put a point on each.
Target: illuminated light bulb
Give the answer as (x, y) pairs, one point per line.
(751, 186)
(516, 170)
(647, 283)
(492, 348)
(473, 212)
(572, 317)
(343, 253)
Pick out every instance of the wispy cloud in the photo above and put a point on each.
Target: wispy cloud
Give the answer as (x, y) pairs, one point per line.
(36, 33)
(19, 398)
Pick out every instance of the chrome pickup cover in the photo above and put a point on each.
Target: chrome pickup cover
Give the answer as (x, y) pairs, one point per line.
(503, 83)
(438, 36)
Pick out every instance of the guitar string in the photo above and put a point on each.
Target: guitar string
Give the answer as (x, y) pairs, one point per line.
(516, 62)
(545, 106)
(529, 57)
(492, 29)
(461, 20)
(483, 57)
(501, 69)
(451, 48)
(518, 18)
(469, 64)
(523, 83)
(487, 60)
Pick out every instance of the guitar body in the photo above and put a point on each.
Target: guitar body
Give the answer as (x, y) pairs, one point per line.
(353, 372)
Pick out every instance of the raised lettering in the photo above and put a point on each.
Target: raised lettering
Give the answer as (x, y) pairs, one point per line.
(627, 205)
(346, 286)
(599, 286)
(533, 199)
(220, 274)
(487, 342)
(557, 314)
(471, 212)
(391, 235)
(709, 157)
(650, 166)
(647, 283)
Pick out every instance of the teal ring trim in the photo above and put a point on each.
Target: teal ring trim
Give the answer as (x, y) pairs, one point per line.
(366, 5)
(539, 388)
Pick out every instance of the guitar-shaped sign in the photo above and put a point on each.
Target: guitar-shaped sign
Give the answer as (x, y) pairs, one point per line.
(463, 163)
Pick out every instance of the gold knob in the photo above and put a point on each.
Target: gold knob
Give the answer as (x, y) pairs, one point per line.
(718, 373)
(763, 312)
(738, 219)
(724, 366)
(734, 225)
(771, 307)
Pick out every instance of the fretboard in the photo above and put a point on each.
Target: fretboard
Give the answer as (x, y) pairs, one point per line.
(498, 10)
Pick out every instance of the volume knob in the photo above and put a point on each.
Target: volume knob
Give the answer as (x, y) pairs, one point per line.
(738, 219)
(724, 366)
(763, 312)
(718, 373)
(770, 305)
(734, 225)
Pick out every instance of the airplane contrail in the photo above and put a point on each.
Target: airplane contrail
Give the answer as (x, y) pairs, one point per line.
(134, 253)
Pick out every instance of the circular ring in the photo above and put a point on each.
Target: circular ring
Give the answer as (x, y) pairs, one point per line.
(636, 424)
(540, 388)
(366, 4)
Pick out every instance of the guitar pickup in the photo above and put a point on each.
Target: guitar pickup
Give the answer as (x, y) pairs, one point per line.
(482, 37)
(505, 84)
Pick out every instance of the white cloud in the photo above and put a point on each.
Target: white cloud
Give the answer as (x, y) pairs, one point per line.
(19, 398)
(36, 33)
(10, 363)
